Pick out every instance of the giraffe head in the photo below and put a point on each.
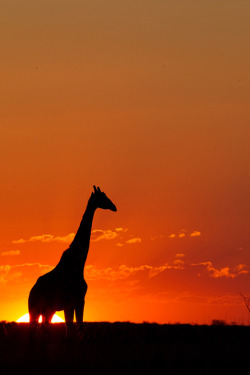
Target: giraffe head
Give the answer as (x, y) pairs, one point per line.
(102, 201)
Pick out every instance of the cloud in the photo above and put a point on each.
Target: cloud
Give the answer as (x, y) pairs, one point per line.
(224, 271)
(178, 262)
(19, 241)
(119, 230)
(134, 240)
(241, 268)
(96, 235)
(124, 271)
(10, 253)
(9, 273)
(67, 239)
(99, 234)
(131, 241)
(183, 233)
(46, 238)
(195, 233)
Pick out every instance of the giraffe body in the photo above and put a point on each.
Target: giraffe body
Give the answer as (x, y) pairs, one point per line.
(64, 288)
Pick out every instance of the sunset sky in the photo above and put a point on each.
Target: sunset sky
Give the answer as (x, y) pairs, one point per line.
(150, 101)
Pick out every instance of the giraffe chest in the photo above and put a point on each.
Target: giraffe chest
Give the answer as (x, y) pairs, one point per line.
(71, 289)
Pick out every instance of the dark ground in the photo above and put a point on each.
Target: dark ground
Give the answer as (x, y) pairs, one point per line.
(125, 348)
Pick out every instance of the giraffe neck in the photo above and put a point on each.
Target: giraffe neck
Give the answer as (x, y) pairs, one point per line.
(82, 237)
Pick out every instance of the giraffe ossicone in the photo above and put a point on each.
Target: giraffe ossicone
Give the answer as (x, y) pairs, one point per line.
(64, 288)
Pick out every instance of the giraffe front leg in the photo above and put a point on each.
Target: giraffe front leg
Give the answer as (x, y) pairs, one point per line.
(79, 308)
(80, 302)
(79, 319)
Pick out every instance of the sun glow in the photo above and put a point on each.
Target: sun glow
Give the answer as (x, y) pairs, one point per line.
(26, 318)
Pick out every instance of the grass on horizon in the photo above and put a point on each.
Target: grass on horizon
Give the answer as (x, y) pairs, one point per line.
(123, 348)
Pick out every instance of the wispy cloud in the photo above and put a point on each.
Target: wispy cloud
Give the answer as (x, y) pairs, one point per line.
(118, 233)
(121, 230)
(224, 271)
(99, 234)
(195, 233)
(46, 238)
(179, 235)
(184, 233)
(178, 262)
(9, 272)
(96, 235)
(10, 253)
(124, 271)
(131, 241)
(134, 240)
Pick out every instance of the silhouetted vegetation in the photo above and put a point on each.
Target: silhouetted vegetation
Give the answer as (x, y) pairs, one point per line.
(124, 348)
(218, 322)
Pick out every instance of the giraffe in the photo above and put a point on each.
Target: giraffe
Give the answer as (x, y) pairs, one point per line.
(64, 288)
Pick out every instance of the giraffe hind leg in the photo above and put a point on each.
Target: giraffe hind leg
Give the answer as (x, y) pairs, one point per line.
(33, 329)
(69, 315)
(34, 316)
(48, 317)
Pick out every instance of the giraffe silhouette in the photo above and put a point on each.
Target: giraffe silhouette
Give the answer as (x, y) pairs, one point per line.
(64, 288)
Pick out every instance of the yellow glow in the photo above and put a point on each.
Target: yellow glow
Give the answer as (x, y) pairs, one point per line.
(26, 318)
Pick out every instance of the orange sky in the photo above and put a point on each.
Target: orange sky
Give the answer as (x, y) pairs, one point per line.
(150, 101)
